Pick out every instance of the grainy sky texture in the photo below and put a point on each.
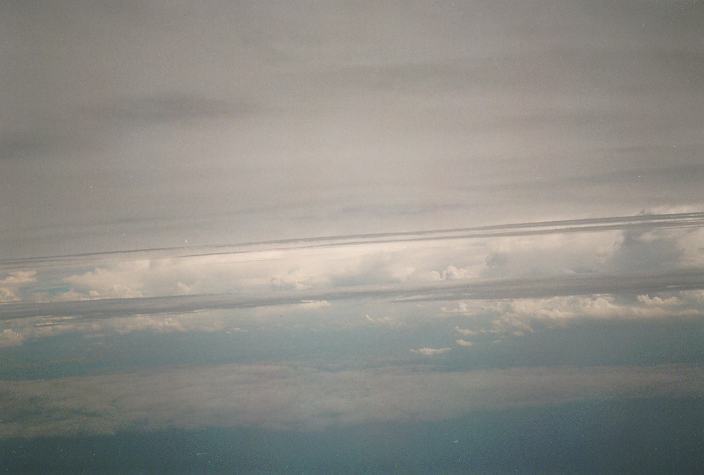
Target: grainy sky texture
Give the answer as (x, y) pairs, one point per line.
(261, 221)
(142, 124)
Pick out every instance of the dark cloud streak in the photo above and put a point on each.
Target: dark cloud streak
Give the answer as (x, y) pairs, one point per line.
(639, 222)
(686, 279)
(168, 108)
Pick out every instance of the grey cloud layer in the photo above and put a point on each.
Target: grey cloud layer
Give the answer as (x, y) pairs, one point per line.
(308, 398)
(142, 126)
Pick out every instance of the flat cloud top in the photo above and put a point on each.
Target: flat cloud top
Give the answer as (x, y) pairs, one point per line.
(284, 397)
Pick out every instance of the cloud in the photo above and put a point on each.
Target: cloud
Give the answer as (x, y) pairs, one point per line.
(164, 108)
(427, 351)
(440, 291)
(502, 318)
(20, 331)
(23, 147)
(677, 304)
(385, 321)
(453, 273)
(645, 250)
(19, 278)
(464, 343)
(521, 316)
(682, 218)
(543, 279)
(283, 397)
(11, 285)
(314, 304)
(393, 263)
(10, 337)
(465, 331)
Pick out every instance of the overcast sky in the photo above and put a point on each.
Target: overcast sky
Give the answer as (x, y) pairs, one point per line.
(148, 124)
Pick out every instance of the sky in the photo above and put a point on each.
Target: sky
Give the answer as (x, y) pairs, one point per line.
(372, 224)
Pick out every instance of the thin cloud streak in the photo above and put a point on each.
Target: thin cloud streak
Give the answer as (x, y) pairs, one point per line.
(691, 279)
(642, 222)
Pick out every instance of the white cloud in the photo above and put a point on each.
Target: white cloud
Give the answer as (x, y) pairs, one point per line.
(382, 321)
(372, 264)
(19, 278)
(455, 273)
(464, 343)
(7, 295)
(516, 317)
(466, 308)
(11, 285)
(10, 337)
(404, 269)
(427, 351)
(314, 304)
(22, 330)
(258, 272)
(542, 255)
(466, 331)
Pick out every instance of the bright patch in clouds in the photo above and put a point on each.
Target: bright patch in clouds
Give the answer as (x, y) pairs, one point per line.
(427, 351)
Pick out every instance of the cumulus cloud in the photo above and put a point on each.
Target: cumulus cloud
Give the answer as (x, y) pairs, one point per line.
(502, 251)
(454, 273)
(11, 284)
(518, 317)
(680, 304)
(549, 254)
(19, 278)
(501, 318)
